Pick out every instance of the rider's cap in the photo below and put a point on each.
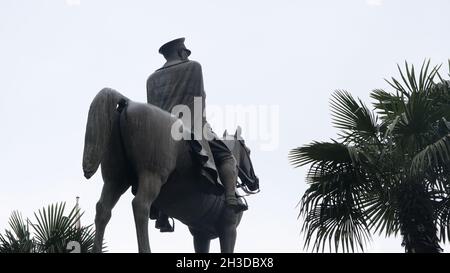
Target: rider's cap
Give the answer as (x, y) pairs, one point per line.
(172, 46)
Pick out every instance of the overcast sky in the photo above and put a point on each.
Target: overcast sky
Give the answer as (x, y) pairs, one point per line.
(55, 55)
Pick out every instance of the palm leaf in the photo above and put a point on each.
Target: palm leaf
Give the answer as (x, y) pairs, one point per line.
(332, 205)
(319, 152)
(432, 155)
(53, 228)
(18, 240)
(388, 178)
(387, 105)
(354, 118)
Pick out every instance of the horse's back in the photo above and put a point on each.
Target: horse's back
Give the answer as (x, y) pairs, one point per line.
(146, 132)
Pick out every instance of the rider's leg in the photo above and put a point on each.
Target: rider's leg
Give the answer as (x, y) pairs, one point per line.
(228, 175)
(227, 169)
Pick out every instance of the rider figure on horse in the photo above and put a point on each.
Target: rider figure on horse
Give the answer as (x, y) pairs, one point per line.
(180, 82)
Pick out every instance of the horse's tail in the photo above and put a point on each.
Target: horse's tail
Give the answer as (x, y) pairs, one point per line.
(104, 109)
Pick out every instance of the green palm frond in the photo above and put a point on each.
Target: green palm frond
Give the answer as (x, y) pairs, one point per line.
(443, 218)
(411, 110)
(18, 240)
(355, 120)
(53, 227)
(319, 152)
(382, 210)
(332, 205)
(340, 226)
(412, 84)
(19, 226)
(411, 128)
(389, 178)
(85, 236)
(433, 155)
(388, 106)
(53, 230)
(439, 95)
(416, 120)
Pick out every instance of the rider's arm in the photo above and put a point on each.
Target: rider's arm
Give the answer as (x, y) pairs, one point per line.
(149, 88)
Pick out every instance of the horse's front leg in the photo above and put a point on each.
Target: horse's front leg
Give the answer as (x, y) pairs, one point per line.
(148, 190)
(111, 192)
(201, 241)
(227, 230)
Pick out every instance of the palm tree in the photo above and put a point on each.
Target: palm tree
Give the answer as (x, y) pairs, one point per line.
(52, 232)
(387, 172)
(19, 239)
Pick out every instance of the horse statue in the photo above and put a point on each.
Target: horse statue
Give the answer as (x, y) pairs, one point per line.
(133, 143)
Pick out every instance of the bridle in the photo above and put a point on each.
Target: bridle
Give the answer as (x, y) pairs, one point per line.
(241, 172)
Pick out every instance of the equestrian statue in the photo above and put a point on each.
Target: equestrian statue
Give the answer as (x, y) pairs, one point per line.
(192, 178)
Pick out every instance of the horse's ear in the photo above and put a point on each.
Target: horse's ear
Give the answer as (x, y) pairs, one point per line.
(238, 132)
(225, 133)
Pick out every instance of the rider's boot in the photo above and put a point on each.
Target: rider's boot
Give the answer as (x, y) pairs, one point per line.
(228, 175)
(163, 224)
(233, 202)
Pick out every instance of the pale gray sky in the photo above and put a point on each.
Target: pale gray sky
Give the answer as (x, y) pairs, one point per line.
(55, 55)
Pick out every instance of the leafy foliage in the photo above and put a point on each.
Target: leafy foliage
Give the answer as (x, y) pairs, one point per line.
(18, 240)
(52, 232)
(388, 172)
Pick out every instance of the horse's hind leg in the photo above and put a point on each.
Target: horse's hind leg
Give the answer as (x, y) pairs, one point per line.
(111, 193)
(148, 190)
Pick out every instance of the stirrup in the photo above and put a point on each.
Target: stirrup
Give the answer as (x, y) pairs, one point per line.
(167, 227)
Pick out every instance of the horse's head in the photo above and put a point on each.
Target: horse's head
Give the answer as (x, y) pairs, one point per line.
(236, 144)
